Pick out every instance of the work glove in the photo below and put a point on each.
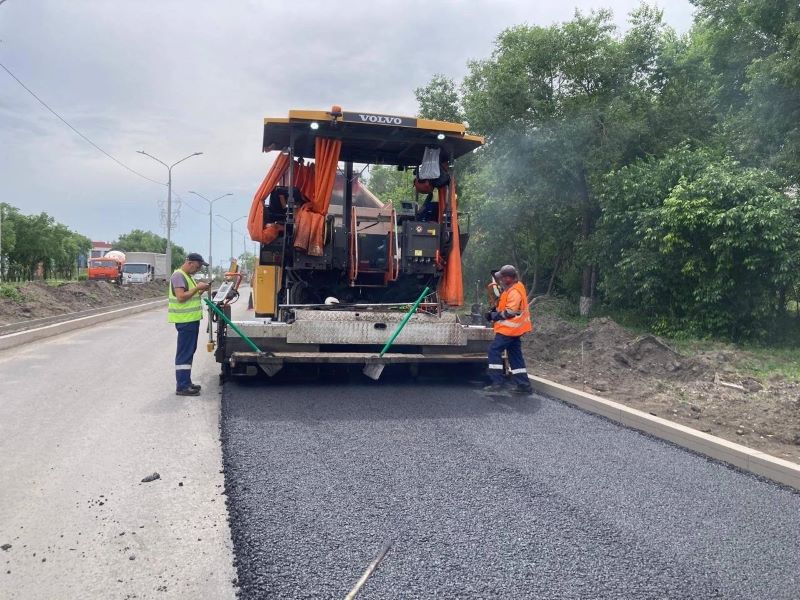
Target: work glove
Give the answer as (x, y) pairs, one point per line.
(493, 316)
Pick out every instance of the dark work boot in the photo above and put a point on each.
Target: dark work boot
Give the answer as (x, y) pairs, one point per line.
(188, 392)
(522, 389)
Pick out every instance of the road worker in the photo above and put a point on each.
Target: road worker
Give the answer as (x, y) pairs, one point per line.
(511, 320)
(186, 311)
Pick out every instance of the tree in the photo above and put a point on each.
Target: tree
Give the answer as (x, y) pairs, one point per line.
(752, 48)
(561, 105)
(699, 244)
(64, 248)
(439, 100)
(31, 242)
(8, 216)
(247, 262)
(391, 185)
(147, 241)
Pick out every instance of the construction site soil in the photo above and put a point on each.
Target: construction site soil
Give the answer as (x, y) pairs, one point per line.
(708, 390)
(38, 299)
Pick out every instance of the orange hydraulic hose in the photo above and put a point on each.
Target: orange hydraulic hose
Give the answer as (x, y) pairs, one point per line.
(451, 285)
(255, 220)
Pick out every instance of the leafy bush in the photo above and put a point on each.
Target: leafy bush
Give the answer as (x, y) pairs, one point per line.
(700, 244)
(10, 291)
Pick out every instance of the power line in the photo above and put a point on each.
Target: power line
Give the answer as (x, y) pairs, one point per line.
(186, 202)
(220, 227)
(63, 120)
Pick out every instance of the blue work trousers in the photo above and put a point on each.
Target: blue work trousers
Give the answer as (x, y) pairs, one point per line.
(187, 344)
(513, 346)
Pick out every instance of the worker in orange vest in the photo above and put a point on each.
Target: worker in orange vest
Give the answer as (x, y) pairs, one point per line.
(511, 320)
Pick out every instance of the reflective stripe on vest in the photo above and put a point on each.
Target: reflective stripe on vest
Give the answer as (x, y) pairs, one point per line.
(184, 312)
(515, 326)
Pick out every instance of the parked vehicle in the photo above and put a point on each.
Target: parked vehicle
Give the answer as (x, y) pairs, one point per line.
(143, 267)
(107, 268)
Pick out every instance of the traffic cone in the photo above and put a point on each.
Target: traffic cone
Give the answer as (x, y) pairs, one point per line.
(250, 301)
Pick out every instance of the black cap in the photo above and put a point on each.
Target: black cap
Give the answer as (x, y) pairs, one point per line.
(508, 270)
(195, 257)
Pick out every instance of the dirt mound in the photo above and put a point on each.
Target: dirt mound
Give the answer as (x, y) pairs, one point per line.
(606, 348)
(37, 299)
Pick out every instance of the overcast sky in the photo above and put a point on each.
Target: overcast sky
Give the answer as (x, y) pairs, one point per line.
(174, 77)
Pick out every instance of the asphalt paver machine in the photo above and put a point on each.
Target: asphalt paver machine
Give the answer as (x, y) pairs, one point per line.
(340, 272)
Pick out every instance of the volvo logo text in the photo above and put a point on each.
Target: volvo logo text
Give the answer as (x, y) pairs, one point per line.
(381, 119)
(353, 117)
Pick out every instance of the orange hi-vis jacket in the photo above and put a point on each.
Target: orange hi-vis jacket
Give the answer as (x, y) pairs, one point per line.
(513, 306)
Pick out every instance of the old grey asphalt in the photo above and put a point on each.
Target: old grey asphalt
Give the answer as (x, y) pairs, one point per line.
(83, 418)
(486, 498)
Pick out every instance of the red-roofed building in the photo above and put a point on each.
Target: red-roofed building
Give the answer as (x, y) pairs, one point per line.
(100, 248)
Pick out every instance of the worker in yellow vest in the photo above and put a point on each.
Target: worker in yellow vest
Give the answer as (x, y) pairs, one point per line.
(186, 311)
(511, 320)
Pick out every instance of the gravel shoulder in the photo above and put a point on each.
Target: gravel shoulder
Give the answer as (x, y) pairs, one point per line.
(714, 388)
(486, 498)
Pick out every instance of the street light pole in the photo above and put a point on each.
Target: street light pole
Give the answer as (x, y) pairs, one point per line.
(231, 224)
(169, 199)
(210, 207)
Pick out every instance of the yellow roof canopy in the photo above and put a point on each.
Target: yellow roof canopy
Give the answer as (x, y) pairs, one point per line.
(372, 138)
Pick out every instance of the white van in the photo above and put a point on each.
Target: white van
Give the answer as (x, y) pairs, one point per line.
(137, 273)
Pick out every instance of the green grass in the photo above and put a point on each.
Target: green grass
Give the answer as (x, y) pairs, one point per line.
(10, 291)
(766, 362)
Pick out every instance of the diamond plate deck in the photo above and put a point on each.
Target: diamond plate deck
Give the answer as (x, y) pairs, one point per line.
(374, 330)
(348, 327)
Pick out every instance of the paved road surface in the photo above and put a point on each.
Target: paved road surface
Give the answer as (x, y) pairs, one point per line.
(487, 498)
(83, 418)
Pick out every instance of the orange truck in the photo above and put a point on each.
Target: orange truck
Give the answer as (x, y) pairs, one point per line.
(107, 268)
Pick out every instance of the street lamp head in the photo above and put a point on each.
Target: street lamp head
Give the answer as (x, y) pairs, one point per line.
(197, 154)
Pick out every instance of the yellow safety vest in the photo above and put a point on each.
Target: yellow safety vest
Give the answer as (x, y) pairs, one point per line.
(184, 312)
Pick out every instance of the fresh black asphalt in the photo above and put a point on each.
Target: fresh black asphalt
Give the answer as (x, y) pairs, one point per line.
(486, 497)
